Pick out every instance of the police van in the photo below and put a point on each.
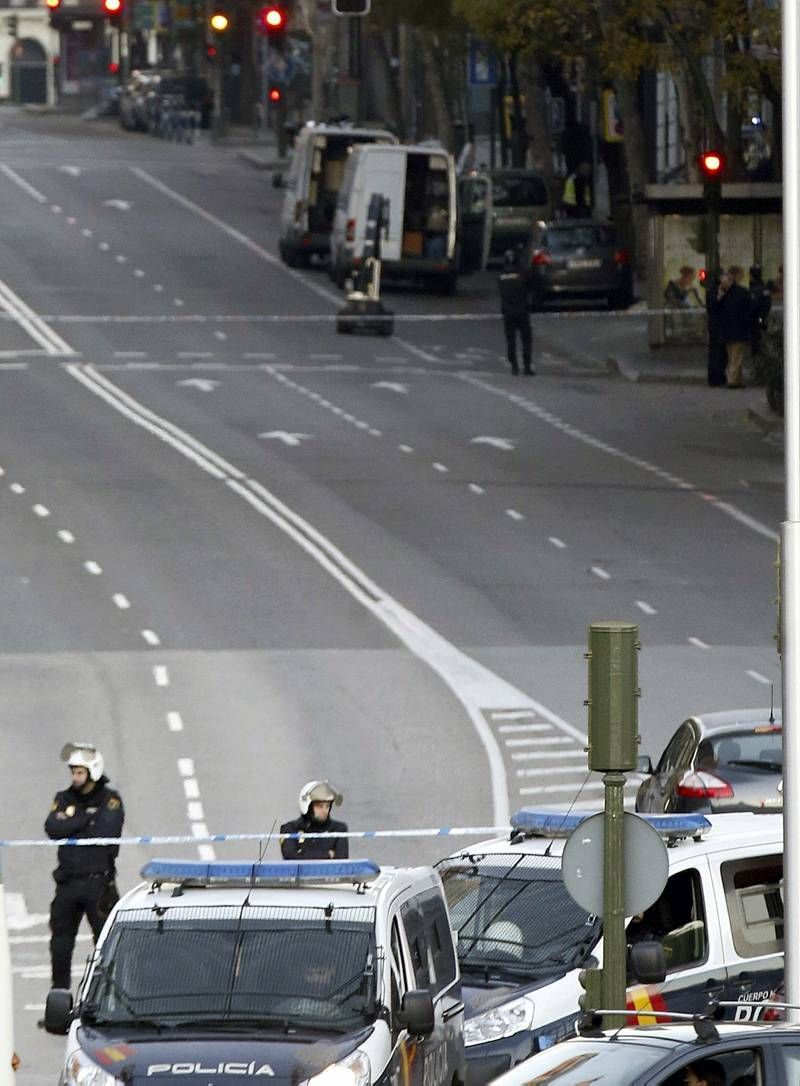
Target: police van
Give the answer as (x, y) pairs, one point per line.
(523, 941)
(309, 973)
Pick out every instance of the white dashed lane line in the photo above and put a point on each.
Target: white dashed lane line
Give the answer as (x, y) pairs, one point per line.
(151, 637)
(174, 721)
(161, 675)
(514, 514)
(65, 536)
(121, 601)
(93, 567)
(598, 571)
(191, 789)
(559, 543)
(646, 608)
(698, 644)
(476, 489)
(405, 448)
(440, 467)
(17, 488)
(321, 401)
(759, 678)
(41, 511)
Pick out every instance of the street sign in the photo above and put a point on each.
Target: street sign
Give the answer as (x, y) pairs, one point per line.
(646, 864)
(482, 64)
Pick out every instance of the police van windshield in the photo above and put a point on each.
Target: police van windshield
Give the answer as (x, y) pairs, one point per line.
(205, 969)
(514, 917)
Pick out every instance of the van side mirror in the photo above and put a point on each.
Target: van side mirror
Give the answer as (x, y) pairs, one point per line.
(277, 180)
(648, 963)
(416, 1012)
(644, 764)
(58, 1011)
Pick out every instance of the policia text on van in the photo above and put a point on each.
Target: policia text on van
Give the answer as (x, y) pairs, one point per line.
(323, 972)
(523, 941)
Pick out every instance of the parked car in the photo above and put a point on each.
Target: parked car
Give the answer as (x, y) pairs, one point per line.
(132, 100)
(519, 200)
(668, 1055)
(185, 91)
(718, 762)
(523, 941)
(578, 258)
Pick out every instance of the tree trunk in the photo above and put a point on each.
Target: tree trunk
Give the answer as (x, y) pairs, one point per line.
(383, 82)
(636, 168)
(435, 86)
(519, 135)
(532, 82)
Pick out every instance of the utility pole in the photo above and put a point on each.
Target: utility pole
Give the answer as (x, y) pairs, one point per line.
(613, 748)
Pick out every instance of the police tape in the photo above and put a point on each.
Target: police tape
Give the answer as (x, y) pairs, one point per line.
(214, 838)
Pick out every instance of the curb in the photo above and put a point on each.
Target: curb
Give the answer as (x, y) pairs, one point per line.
(664, 377)
(764, 420)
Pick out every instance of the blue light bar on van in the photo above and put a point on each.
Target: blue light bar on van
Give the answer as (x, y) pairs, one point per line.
(544, 823)
(219, 872)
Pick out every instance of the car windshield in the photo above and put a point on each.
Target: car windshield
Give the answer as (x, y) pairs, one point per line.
(287, 970)
(514, 916)
(756, 749)
(518, 191)
(578, 237)
(576, 1063)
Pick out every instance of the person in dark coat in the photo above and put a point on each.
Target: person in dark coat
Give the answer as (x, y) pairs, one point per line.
(515, 288)
(760, 305)
(717, 355)
(85, 876)
(316, 800)
(734, 316)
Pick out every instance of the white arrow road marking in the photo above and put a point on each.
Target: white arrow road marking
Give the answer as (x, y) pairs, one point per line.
(391, 386)
(503, 443)
(120, 205)
(73, 171)
(286, 437)
(204, 384)
(17, 916)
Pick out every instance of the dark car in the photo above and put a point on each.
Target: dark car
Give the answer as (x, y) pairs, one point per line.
(718, 762)
(519, 200)
(667, 1055)
(578, 259)
(183, 92)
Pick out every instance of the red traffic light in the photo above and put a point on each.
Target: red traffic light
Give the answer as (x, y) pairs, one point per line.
(275, 95)
(272, 19)
(54, 4)
(712, 165)
(112, 7)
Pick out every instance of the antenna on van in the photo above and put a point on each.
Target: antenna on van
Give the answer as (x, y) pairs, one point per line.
(575, 799)
(772, 703)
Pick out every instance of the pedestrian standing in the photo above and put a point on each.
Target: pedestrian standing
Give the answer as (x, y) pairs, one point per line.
(85, 876)
(315, 801)
(515, 303)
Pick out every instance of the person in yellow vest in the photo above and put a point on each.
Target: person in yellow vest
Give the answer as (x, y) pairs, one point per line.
(577, 199)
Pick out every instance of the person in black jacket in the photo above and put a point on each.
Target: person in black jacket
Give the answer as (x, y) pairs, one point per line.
(515, 304)
(85, 874)
(733, 310)
(316, 800)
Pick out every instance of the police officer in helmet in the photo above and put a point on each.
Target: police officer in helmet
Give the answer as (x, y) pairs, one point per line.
(315, 800)
(85, 874)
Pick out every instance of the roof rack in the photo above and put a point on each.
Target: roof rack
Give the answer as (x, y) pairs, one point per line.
(535, 822)
(222, 873)
(590, 1022)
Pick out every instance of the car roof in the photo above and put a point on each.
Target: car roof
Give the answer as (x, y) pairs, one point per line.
(739, 829)
(734, 719)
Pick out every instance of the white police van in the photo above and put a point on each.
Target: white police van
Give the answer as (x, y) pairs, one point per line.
(310, 973)
(523, 940)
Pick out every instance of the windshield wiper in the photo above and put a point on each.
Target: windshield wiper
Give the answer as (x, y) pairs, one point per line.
(91, 1016)
(236, 1023)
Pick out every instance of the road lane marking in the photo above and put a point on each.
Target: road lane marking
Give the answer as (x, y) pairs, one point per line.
(17, 488)
(321, 401)
(206, 853)
(559, 543)
(161, 675)
(130, 354)
(138, 273)
(507, 728)
(547, 740)
(120, 259)
(552, 789)
(12, 175)
(151, 637)
(476, 489)
(698, 644)
(646, 607)
(174, 721)
(199, 829)
(104, 246)
(32, 323)
(186, 767)
(121, 601)
(514, 514)
(405, 448)
(195, 811)
(65, 536)
(759, 678)
(93, 567)
(603, 574)
(41, 510)
(191, 790)
(440, 467)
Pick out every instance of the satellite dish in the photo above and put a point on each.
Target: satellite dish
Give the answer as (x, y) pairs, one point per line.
(646, 864)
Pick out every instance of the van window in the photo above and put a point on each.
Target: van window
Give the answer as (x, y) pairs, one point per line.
(430, 941)
(347, 182)
(676, 920)
(754, 897)
(677, 752)
(511, 191)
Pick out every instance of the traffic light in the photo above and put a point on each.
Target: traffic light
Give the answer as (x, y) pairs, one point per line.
(591, 980)
(351, 7)
(274, 96)
(712, 166)
(219, 22)
(272, 21)
(113, 9)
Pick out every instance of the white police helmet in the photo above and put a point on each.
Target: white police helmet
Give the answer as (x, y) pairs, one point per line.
(318, 791)
(85, 755)
(503, 937)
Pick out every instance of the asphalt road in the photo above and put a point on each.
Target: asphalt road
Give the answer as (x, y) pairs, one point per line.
(240, 551)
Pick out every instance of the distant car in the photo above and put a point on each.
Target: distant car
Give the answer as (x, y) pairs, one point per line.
(718, 762)
(189, 92)
(666, 1055)
(519, 200)
(578, 259)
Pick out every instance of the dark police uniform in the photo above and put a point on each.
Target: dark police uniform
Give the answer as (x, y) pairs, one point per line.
(85, 875)
(515, 305)
(311, 847)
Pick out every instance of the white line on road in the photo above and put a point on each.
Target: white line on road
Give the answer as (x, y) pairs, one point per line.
(698, 644)
(476, 489)
(511, 714)
(157, 288)
(559, 543)
(405, 448)
(174, 721)
(139, 273)
(65, 536)
(260, 355)
(598, 571)
(535, 755)
(195, 811)
(56, 209)
(87, 233)
(151, 637)
(552, 789)
(646, 608)
(104, 246)
(130, 354)
(191, 790)
(177, 301)
(93, 567)
(186, 767)
(17, 488)
(121, 601)
(206, 853)
(440, 467)
(120, 259)
(759, 678)
(161, 675)
(545, 740)
(12, 175)
(41, 510)
(32, 323)
(220, 335)
(199, 829)
(514, 514)
(507, 729)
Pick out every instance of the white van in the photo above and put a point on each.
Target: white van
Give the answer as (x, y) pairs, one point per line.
(312, 186)
(420, 241)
